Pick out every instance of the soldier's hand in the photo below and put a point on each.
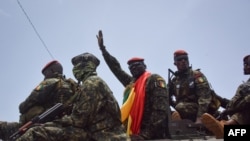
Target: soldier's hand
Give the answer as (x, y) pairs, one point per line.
(100, 40)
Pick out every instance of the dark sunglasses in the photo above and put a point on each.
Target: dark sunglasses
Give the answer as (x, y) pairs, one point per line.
(135, 64)
(180, 58)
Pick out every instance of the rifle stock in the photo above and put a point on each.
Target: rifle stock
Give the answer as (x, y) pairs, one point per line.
(48, 115)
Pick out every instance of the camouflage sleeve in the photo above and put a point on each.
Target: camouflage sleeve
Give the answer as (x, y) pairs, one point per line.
(116, 69)
(241, 99)
(223, 101)
(83, 107)
(29, 102)
(203, 92)
(39, 95)
(89, 109)
(156, 107)
(46, 90)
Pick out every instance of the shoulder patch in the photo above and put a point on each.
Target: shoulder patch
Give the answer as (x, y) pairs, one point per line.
(197, 73)
(161, 82)
(39, 87)
(200, 79)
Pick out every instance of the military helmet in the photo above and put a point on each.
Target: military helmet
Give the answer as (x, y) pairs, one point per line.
(85, 57)
(52, 67)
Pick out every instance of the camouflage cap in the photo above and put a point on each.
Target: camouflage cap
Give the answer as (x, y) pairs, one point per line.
(135, 59)
(85, 57)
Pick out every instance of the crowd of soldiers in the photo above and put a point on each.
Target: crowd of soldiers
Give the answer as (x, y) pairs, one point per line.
(91, 112)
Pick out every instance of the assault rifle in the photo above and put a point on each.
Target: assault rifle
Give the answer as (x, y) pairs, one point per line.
(183, 129)
(48, 115)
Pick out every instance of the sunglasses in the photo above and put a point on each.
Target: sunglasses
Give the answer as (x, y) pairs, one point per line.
(180, 58)
(135, 64)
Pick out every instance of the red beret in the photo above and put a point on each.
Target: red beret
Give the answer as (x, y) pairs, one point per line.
(180, 52)
(49, 64)
(135, 59)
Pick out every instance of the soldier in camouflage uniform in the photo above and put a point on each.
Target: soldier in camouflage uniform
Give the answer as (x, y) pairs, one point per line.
(237, 108)
(149, 109)
(55, 88)
(190, 92)
(95, 115)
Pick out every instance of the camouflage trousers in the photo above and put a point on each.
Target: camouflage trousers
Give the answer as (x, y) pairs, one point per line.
(7, 129)
(56, 133)
(187, 110)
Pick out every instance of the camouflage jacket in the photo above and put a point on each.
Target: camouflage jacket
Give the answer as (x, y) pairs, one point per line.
(49, 92)
(155, 108)
(192, 87)
(241, 100)
(95, 110)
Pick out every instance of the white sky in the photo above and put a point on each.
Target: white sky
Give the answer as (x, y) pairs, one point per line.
(215, 33)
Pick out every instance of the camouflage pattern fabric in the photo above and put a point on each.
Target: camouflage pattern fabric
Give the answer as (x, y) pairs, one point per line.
(49, 92)
(53, 132)
(45, 95)
(154, 122)
(192, 94)
(7, 129)
(95, 116)
(240, 103)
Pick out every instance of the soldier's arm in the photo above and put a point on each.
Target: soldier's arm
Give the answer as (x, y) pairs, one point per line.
(235, 99)
(204, 94)
(39, 95)
(29, 102)
(156, 108)
(241, 100)
(113, 63)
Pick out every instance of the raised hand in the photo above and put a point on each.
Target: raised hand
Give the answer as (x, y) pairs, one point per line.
(100, 40)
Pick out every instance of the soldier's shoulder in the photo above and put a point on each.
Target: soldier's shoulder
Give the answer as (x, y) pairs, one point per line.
(158, 80)
(46, 83)
(71, 81)
(50, 80)
(94, 79)
(156, 76)
(198, 73)
(199, 77)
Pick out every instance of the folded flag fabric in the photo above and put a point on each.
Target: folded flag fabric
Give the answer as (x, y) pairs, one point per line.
(133, 106)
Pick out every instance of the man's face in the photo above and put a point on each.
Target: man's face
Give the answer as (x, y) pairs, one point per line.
(182, 63)
(246, 64)
(137, 69)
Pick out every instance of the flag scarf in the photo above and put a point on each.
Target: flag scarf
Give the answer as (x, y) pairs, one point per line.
(133, 107)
